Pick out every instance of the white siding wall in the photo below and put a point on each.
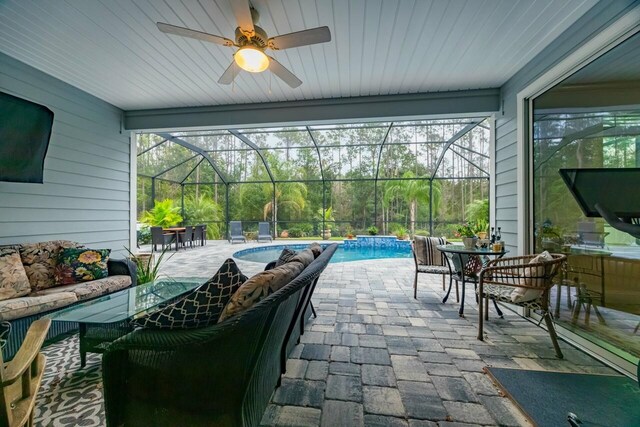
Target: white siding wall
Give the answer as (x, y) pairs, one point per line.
(507, 163)
(85, 195)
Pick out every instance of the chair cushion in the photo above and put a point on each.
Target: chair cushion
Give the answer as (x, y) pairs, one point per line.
(13, 277)
(433, 269)
(259, 287)
(81, 265)
(202, 306)
(16, 308)
(533, 276)
(426, 251)
(93, 289)
(40, 259)
(285, 256)
(503, 293)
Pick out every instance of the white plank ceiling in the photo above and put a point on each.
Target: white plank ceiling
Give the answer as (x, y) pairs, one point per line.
(113, 50)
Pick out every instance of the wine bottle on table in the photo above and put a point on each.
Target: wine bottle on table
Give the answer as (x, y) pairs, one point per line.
(493, 236)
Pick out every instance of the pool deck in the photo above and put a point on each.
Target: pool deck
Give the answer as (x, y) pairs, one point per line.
(374, 356)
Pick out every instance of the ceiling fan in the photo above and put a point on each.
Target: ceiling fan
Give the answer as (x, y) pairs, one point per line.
(252, 41)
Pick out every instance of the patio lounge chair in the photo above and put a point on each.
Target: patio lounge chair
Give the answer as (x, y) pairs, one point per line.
(501, 277)
(264, 232)
(236, 232)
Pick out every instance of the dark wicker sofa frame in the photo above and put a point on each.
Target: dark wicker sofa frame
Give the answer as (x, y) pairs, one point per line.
(222, 375)
(13, 332)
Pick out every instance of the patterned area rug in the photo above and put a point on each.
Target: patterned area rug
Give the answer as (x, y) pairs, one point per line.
(69, 395)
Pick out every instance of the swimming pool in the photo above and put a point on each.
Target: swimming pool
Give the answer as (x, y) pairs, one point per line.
(266, 254)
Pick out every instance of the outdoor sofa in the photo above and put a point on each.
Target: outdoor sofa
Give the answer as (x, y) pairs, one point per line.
(19, 307)
(222, 375)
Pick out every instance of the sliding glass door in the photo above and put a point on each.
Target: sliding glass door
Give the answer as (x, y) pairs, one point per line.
(591, 120)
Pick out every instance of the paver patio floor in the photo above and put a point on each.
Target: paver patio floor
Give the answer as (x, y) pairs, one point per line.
(374, 356)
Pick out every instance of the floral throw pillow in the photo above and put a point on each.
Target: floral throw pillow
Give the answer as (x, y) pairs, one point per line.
(81, 265)
(13, 278)
(40, 259)
(202, 306)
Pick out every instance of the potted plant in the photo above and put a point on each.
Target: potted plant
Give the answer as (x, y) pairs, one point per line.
(469, 238)
(401, 232)
(373, 230)
(327, 217)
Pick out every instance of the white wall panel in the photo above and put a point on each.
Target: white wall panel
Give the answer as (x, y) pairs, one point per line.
(85, 195)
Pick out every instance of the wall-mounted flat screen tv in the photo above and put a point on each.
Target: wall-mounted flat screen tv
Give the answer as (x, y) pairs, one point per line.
(25, 130)
(618, 190)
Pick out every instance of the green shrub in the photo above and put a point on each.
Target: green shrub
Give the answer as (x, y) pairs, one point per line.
(373, 230)
(296, 232)
(164, 214)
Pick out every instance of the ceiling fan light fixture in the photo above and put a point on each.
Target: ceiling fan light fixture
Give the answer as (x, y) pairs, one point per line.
(251, 59)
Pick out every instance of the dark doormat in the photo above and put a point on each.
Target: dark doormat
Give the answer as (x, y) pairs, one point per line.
(547, 397)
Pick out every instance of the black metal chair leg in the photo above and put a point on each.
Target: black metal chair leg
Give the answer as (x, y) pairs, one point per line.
(313, 310)
(495, 304)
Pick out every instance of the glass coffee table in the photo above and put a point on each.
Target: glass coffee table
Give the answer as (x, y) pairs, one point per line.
(105, 319)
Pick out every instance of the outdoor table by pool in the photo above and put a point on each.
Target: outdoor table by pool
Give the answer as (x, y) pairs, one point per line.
(104, 319)
(458, 269)
(176, 231)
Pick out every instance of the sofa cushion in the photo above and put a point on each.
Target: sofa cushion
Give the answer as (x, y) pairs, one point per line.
(40, 259)
(81, 265)
(13, 278)
(305, 257)
(285, 256)
(533, 276)
(16, 308)
(316, 249)
(202, 306)
(88, 290)
(259, 287)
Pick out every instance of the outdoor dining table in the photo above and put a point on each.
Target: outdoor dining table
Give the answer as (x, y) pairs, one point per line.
(176, 231)
(459, 269)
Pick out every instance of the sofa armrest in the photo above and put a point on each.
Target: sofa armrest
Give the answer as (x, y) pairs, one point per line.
(123, 267)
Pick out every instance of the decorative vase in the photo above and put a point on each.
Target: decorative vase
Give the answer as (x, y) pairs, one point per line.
(469, 242)
(326, 234)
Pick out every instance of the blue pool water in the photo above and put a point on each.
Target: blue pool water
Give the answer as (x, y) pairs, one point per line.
(266, 254)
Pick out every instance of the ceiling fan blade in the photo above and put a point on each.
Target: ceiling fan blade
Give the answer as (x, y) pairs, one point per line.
(242, 12)
(229, 74)
(285, 75)
(186, 32)
(300, 38)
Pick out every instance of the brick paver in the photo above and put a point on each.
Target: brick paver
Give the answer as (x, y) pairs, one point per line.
(376, 356)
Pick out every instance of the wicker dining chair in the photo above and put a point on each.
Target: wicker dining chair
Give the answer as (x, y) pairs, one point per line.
(524, 281)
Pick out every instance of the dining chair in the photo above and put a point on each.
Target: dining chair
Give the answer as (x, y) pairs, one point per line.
(21, 377)
(524, 281)
(186, 236)
(428, 259)
(159, 238)
(198, 234)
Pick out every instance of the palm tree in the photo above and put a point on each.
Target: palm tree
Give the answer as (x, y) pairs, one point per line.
(290, 195)
(412, 191)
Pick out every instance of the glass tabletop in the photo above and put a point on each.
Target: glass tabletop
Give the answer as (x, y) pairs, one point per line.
(129, 302)
(473, 251)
